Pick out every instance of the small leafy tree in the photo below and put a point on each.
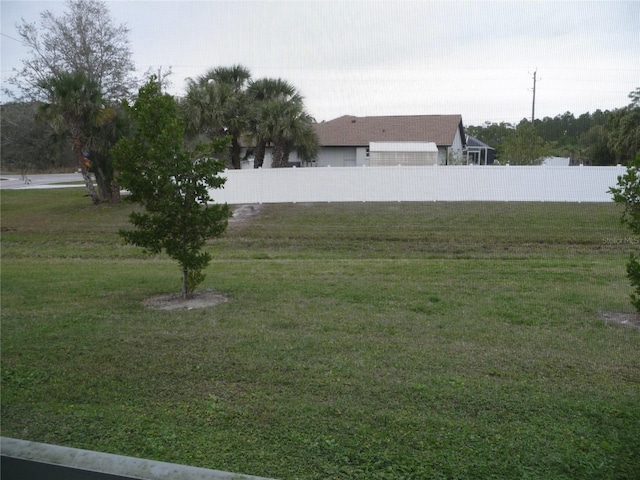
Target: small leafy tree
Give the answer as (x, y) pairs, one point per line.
(524, 147)
(624, 129)
(172, 183)
(628, 194)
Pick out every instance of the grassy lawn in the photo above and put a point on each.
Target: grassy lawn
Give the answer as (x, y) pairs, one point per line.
(360, 341)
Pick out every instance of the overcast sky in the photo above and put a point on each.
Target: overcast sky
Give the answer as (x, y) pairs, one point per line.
(475, 58)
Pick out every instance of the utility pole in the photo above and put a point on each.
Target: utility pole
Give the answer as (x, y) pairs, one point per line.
(533, 107)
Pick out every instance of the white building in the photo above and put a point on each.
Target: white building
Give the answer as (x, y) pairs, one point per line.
(350, 141)
(389, 154)
(556, 161)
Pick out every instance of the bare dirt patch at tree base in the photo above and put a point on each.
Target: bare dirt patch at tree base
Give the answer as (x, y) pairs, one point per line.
(631, 320)
(174, 301)
(243, 213)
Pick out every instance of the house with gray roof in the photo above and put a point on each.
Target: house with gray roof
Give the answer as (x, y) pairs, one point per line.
(350, 141)
(390, 140)
(479, 153)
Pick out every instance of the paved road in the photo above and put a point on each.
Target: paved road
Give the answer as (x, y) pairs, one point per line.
(57, 180)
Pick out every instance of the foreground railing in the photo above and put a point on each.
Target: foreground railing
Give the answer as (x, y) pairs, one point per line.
(22, 460)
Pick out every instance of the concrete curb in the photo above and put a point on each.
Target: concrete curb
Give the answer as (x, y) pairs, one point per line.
(22, 459)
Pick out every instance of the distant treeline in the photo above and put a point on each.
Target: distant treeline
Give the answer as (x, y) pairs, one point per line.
(29, 144)
(600, 138)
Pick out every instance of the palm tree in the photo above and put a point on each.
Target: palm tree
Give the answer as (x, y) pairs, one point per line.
(217, 104)
(75, 105)
(305, 141)
(261, 92)
(104, 135)
(235, 76)
(288, 126)
(199, 111)
(224, 101)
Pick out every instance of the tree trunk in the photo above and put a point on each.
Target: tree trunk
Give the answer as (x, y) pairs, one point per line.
(104, 189)
(115, 192)
(108, 189)
(277, 155)
(77, 149)
(235, 152)
(260, 152)
(86, 176)
(285, 157)
(185, 276)
(102, 168)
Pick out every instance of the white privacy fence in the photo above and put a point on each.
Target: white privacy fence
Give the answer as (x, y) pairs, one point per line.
(419, 184)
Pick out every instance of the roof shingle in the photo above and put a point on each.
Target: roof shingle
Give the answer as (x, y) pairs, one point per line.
(358, 131)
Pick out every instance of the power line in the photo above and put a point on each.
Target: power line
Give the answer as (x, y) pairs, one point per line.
(13, 38)
(533, 106)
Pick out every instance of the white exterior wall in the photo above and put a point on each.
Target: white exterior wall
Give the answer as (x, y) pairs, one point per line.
(415, 159)
(344, 157)
(362, 157)
(557, 161)
(268, 158)
(455, 151)
(420, 184)
(457, 142)
(403, 153)
(339, 157)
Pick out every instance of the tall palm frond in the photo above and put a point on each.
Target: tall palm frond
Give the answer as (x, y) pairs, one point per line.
(290, 127)
(271, 100)
(235, 76)
(216, 104)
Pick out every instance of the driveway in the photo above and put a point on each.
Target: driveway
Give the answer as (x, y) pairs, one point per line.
(54, 180)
